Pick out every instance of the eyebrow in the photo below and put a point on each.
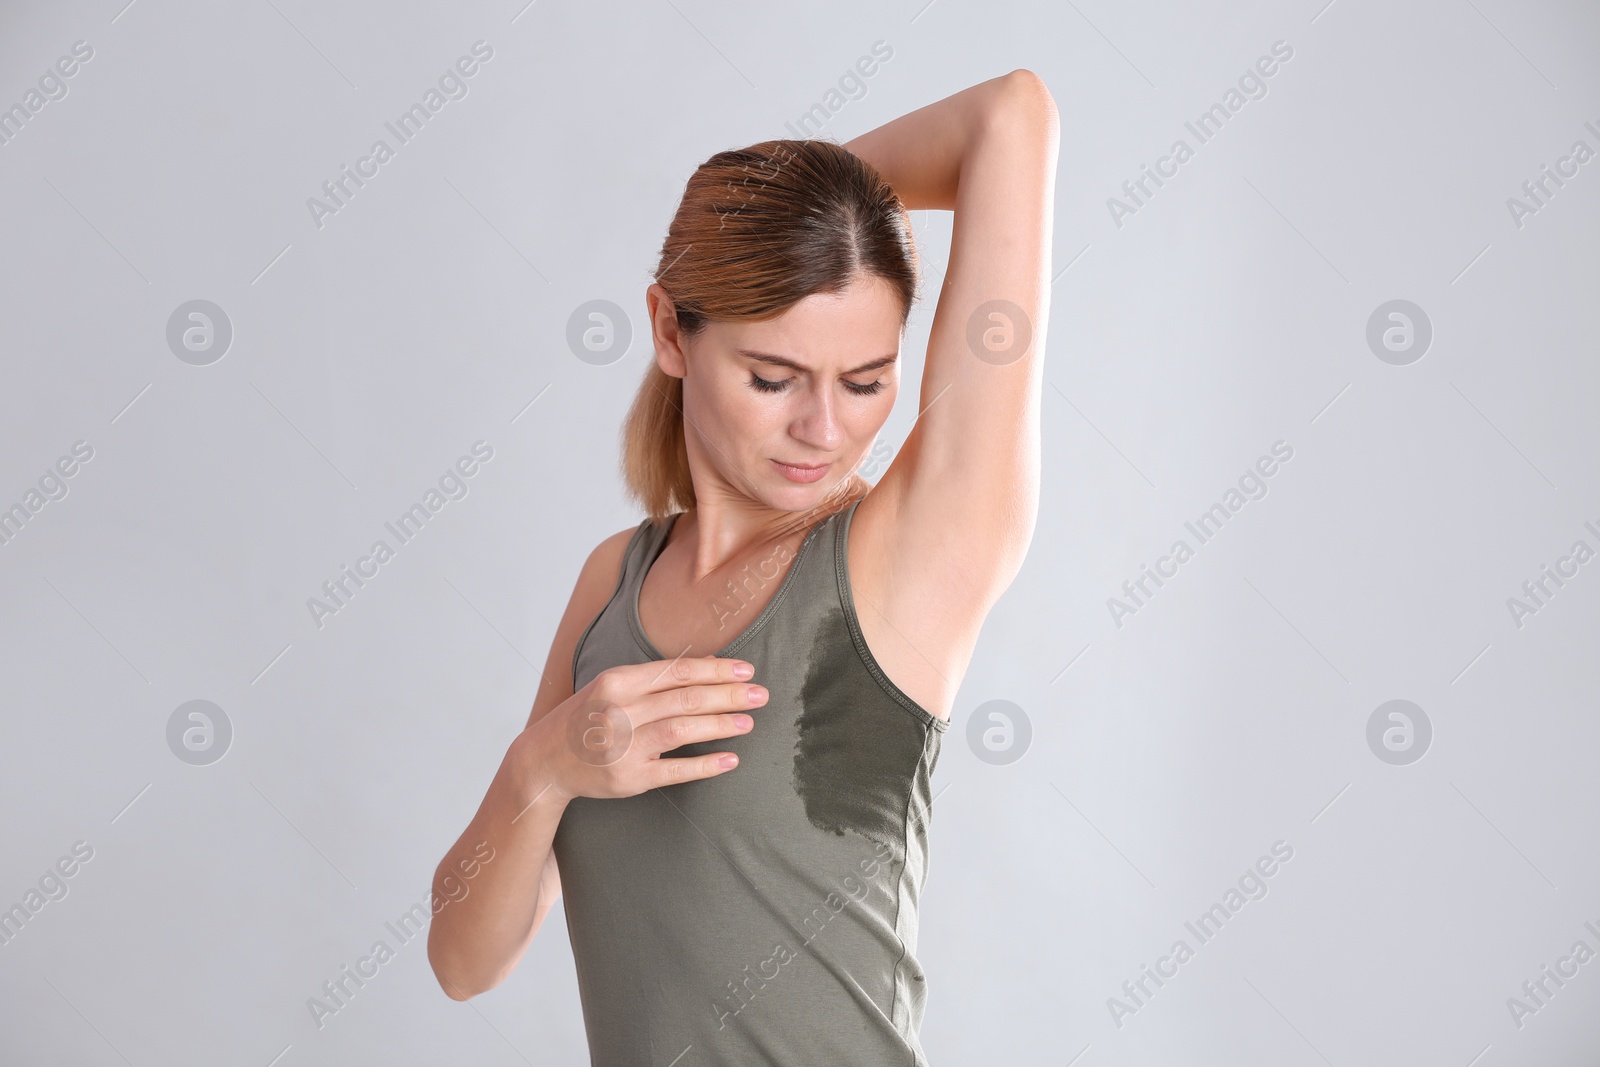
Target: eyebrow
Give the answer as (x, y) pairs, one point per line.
(783, 361)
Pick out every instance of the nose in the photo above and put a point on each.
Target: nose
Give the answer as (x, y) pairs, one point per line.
(817, 423)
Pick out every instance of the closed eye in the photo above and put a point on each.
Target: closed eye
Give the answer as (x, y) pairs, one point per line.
(765, 386)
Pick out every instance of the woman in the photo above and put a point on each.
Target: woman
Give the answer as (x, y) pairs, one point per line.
(726, 772)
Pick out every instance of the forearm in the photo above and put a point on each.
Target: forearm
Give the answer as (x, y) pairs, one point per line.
(920, 153)
(482, 930)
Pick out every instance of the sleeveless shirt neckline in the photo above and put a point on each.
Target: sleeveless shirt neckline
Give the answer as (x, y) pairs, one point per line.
(748, 632)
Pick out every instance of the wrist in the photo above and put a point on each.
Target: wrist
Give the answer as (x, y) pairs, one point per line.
(529, 767)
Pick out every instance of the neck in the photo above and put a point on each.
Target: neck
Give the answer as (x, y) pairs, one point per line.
(718, 531)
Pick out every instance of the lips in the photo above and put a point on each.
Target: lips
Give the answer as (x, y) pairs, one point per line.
(800, 472)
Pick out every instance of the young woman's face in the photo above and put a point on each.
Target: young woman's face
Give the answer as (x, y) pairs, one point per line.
(808, 389)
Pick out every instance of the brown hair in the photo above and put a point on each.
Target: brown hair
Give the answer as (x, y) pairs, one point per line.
(758, 230)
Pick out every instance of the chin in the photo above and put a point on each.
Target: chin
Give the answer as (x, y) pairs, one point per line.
(780, 494)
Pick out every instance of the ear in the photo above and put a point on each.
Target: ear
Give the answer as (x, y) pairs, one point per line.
(664, 332)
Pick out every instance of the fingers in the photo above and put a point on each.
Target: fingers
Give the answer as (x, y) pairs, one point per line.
(688, 768)
(665, 688)
(664, 735)
(698, 700)
(657, 676)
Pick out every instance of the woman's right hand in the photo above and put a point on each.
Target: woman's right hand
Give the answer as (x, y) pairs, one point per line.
(606, 740)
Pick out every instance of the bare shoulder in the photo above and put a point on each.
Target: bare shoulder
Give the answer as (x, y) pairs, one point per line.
(602, 570)
(597, 581)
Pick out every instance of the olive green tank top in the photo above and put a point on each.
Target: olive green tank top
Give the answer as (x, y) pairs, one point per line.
(767, 915)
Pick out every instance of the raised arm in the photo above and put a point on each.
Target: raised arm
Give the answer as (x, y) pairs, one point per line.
(957, 506)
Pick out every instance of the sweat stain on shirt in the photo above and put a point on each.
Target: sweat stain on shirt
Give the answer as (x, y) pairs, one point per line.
(851, 762)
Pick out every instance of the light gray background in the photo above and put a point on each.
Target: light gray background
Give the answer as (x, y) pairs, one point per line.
(1167, 754)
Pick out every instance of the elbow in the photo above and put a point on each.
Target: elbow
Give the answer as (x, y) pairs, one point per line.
(1028, 92)
(453, 988)
(457, 989)
(462, 979)
(1028, 85)
(451, 978)
(452, 992)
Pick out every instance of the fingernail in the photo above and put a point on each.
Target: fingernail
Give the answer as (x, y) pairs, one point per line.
(757, 693)
(743, 722)
(743, 670)
(729, 760)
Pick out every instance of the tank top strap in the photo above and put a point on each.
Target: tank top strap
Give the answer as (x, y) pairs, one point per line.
(642, 547)
(647, 543)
